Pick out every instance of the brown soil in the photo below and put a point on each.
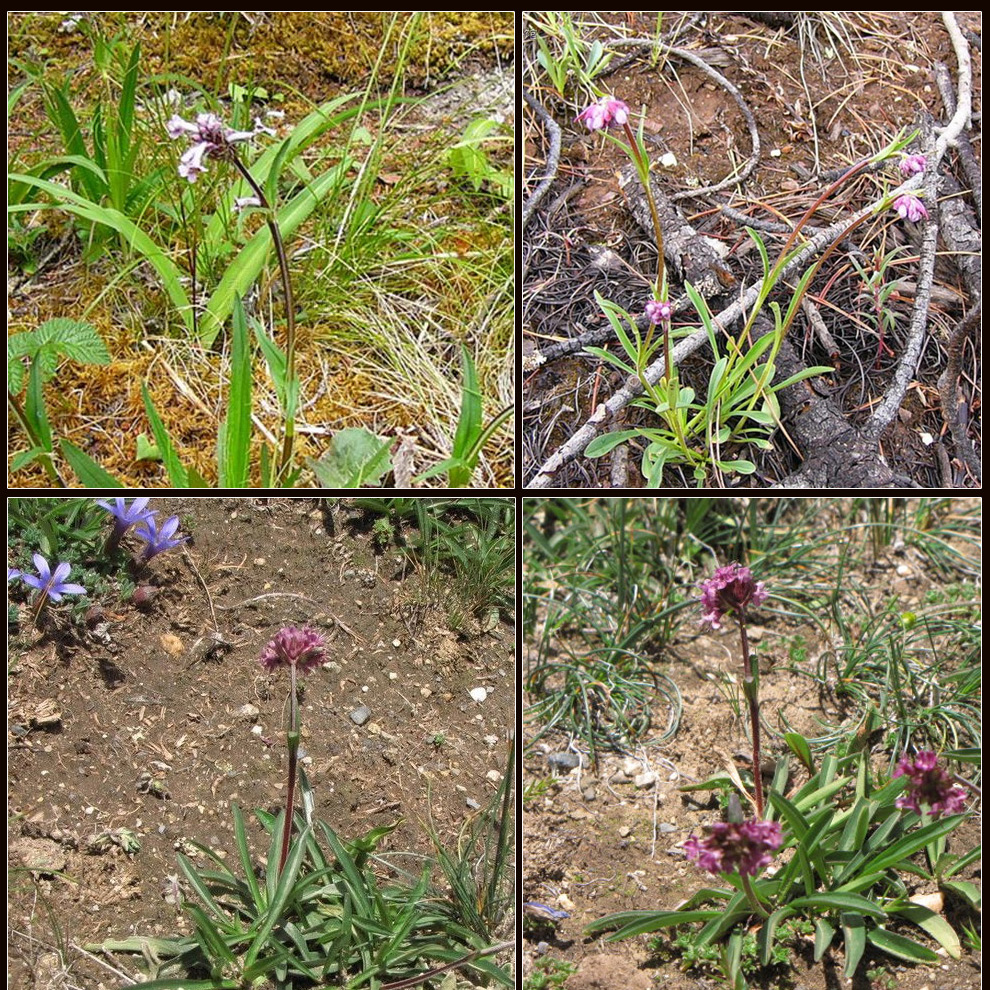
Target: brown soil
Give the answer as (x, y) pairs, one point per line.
(821, 102)
(597, 841)
(146, 727)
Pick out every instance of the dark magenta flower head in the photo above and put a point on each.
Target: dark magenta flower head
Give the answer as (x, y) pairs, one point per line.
(158, 540)
(603, 112)
(729, 589)
(52, 584)
(303, 649)
(928, 784)
(736, 847)
(909, 207)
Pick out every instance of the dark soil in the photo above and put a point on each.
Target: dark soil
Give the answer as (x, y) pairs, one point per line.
(597, 841)
(148, 727)
(821, 102)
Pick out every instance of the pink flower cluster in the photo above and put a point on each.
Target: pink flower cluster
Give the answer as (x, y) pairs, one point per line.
(603, 112)
(657, 312)
(930, 785)
(211, 139)
(912, 165)
(736, 847)
(909, 207)
(303, 649)
(729, 589)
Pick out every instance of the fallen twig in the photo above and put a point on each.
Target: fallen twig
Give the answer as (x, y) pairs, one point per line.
(553, 158)
(952, 402)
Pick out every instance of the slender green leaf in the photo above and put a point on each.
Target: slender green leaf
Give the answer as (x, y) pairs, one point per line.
(234, 442)
(901, 947)
(176, 472)
(934, 924)
(86, 469)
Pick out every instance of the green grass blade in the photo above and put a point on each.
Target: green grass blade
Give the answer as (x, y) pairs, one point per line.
(86, 469)
(176, 472)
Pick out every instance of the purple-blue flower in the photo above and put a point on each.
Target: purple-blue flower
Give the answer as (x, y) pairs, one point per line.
(303, 649)
(657, 312)
(52, 584)
(909, 207)
(736, 847)
(12, 574)
(126, 515)
(158, 540)
(729, 589)
(928, 784)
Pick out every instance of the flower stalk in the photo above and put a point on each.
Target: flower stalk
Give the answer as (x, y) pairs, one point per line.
(293, 648)
(290, 319)
(730, 590)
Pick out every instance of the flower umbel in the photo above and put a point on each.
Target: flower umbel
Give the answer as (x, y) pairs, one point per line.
(211, 139)
(603, 112)
(909, 207)
(736, 847)
(303, 649)
(729, 589)
(930, 785)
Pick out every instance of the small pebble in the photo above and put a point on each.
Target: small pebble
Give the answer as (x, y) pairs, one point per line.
(361, 715)
(563, 761)
(645, 779)
(479, 694)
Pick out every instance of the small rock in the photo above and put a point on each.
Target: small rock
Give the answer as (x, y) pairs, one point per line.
(472, 804)
(667, 827)
(490, 741)
(247, 712)
(647, 779)
(360, 715)
(494, 776)
(589, 794)
(479, 694)
(630, 767)
(625, 832)
(563, 761)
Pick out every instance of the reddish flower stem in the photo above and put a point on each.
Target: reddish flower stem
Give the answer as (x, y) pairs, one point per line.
(751, 687)
(292, 739)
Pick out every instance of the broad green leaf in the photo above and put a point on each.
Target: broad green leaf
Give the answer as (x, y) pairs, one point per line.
(934, 924)
(355, 457)
(601, 445)
(854, 937)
